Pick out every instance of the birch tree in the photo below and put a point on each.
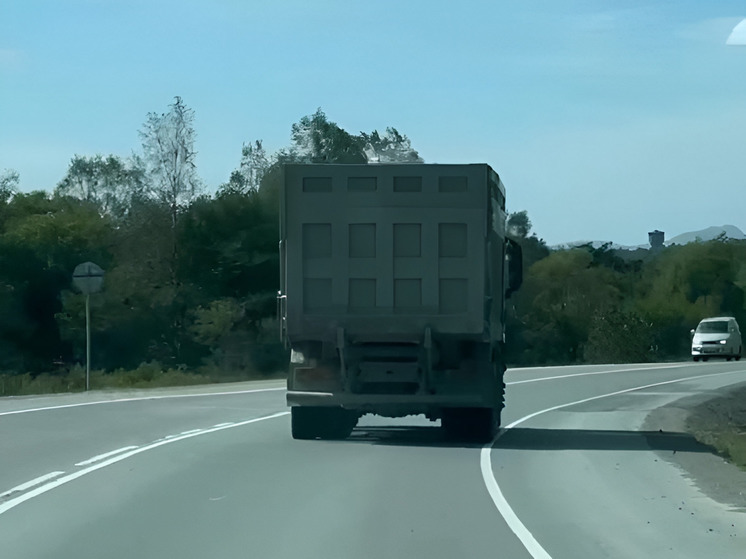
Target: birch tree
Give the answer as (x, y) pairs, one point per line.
(169, 156)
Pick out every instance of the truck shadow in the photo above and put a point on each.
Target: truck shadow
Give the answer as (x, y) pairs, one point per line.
(521, 438)
(409, 435)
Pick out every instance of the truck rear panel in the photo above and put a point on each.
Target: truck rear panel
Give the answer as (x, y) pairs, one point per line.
(385, 251)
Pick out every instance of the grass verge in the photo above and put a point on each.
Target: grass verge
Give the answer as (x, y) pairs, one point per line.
(147, 375)
(721, 423)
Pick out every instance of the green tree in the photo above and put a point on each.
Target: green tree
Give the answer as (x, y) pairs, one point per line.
(315, 139)
(9, 179)
(554, 308)
(683, 284)
(254, 165)
(519, 225)
(108, 182)
(391, 147)
(617, 336)
(44, 238)
(519, 229)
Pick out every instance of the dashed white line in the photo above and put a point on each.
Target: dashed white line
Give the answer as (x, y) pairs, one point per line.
(104, 455)
(223, 424)
(12, 503)
(493, 488)
(190, 431)
(33, 483)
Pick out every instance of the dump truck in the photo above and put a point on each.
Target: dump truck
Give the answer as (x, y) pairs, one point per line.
(392, 301)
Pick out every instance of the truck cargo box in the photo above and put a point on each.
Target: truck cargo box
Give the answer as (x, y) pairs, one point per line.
(387, 250)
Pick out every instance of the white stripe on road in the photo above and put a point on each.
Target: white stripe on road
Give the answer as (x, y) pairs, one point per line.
(488, 475)
(675, 365)
(223, 424)
(141, 398)
(190, 431)
(12, 503)
(104, 455)
(29, 484)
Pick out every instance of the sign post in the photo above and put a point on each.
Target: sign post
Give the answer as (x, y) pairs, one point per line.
(88, 277)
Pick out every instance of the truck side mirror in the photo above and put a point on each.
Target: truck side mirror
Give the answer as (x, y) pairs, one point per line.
(514, 258)
(691, 332)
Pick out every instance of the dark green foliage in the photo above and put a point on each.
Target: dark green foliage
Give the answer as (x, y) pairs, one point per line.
(616, 336)
(519, 229)
(590, 304)
(191, 280)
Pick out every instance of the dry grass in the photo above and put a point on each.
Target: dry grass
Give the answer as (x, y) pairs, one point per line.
(721, 423)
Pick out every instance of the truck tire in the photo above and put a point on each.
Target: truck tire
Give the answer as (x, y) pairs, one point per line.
(476, 425)
(330, 423)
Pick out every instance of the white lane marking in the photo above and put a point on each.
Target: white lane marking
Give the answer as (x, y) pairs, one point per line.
(597, 373)
(29, 484)
(488, 475)
(12, 503)
(503, 507)
(140, 398)
(104, 455)
(223, 424)
(190, 431)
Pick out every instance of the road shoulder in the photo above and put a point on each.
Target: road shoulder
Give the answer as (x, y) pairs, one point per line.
(711, 473)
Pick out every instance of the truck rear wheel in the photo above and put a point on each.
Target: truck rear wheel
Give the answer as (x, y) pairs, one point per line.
(330, 423)
(477, 425)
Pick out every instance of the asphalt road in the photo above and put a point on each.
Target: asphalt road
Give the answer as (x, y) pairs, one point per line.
(212, 472)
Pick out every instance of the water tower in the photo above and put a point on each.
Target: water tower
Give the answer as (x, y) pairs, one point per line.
(656, 238)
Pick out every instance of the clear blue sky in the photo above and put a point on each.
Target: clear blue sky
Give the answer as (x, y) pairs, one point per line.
(605, 119)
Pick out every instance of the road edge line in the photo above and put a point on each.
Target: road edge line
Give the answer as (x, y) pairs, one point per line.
(142, 398)
(525, 536)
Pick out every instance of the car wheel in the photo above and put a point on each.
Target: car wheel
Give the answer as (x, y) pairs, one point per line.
(696, 357)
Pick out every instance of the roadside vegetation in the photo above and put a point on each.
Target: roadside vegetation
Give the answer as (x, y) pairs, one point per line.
(721, 423)
(192, 270)
(599, 305)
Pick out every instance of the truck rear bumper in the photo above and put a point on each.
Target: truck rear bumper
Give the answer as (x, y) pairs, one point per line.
(388, 404)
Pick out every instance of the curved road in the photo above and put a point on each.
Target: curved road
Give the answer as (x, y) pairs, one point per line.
(212, 472)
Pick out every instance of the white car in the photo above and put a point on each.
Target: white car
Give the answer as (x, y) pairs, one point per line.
(717, 337)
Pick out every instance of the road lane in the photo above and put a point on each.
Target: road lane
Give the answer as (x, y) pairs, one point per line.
(55, 438)
(253, 492)
(396, 488)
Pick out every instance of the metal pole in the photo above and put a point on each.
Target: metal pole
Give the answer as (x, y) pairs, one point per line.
(87, 342)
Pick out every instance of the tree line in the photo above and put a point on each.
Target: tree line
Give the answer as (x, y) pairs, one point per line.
(191, 276)
(600, 305)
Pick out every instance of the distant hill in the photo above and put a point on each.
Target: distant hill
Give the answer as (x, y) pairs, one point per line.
(731, 231)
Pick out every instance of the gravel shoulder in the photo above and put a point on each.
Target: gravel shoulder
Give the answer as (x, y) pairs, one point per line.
(717, 420)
